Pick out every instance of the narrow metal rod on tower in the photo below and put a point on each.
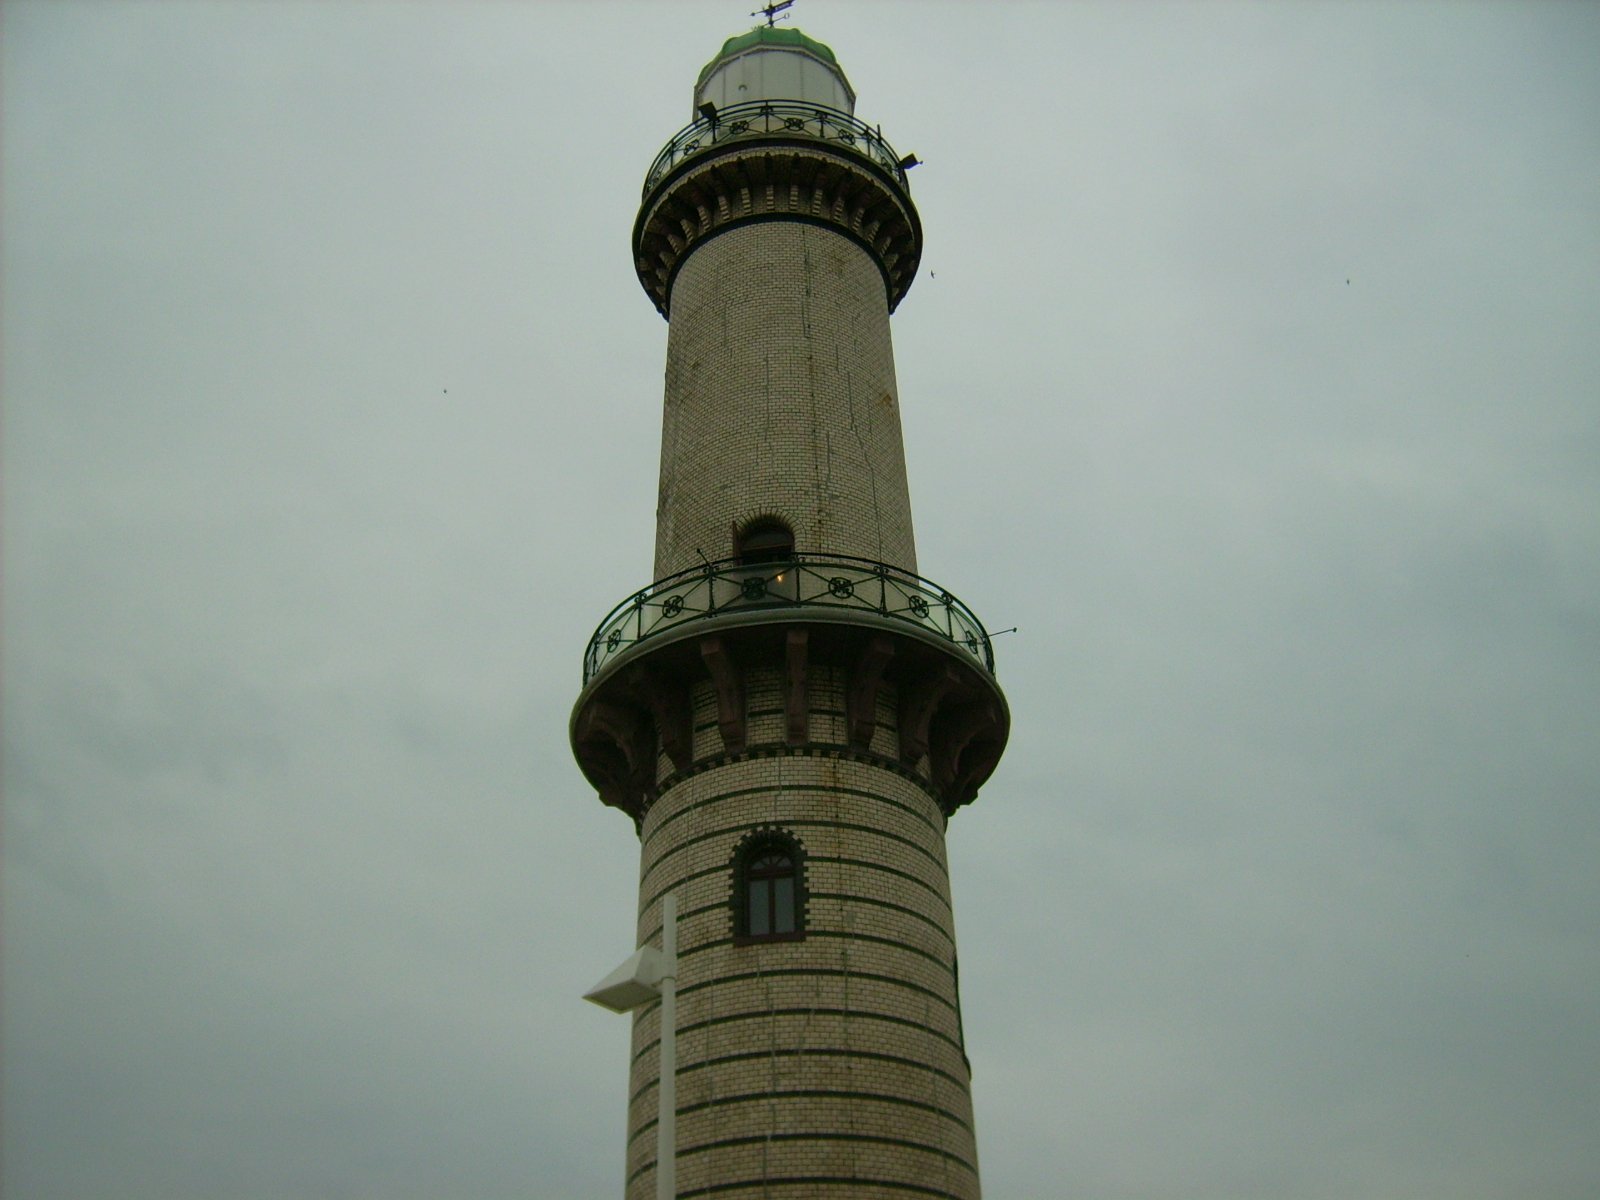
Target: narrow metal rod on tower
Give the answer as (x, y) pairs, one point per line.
(667, 1085)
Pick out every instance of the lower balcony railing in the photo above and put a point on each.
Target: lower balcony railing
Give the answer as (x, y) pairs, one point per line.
(801, 581)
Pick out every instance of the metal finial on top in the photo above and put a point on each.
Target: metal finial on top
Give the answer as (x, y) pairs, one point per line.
(771, 12)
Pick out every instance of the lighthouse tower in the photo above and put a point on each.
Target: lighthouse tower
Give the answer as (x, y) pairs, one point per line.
(789, 713)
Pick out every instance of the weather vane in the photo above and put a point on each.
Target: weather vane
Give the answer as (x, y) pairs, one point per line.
(771, 12)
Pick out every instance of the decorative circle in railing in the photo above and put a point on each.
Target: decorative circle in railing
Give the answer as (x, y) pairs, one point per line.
(866, 586)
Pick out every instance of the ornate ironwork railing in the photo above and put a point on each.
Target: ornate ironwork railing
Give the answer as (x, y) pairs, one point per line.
(800, 581)
(767, 118)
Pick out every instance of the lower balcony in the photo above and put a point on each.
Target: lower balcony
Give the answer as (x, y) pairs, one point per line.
(863, 660)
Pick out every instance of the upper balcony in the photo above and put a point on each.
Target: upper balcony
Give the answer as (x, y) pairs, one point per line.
(786, 119)
(776, 159)
(822, 588)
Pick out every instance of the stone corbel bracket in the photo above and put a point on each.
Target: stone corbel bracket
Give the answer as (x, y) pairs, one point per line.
(631, 728)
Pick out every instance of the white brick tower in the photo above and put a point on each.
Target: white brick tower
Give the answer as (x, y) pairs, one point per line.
(789, 713)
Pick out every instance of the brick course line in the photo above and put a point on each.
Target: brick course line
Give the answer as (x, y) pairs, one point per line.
(874, 902)
(764, 1014)
(784, 789)
(824, 935)
(811, 972)
(837, 1052)
(854, 1182)
(867, 1138)
(807, 1094)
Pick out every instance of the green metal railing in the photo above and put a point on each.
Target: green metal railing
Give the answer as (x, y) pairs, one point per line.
(776, 118)
(799, 581)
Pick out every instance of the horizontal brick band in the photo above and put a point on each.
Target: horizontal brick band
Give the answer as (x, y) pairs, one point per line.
(873, 1056)
(768, 790)
(766, 1014)
(790, 972)
(811, 1182)
(867, 1138)
(808, 1094)
(823, 934)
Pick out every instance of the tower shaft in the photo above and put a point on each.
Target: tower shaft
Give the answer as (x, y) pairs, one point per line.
(781, 399)
(789, 712)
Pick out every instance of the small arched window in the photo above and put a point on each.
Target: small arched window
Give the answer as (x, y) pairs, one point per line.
(768, 888)
(766, 539)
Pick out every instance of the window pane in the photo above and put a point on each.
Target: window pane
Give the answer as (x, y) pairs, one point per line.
(764, 540)
(783, 916)
(760, 914)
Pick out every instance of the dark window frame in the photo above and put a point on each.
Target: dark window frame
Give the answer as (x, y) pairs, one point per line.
(749, 858)
(764, 539)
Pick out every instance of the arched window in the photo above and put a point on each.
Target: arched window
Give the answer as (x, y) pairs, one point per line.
(768, 888)
(766, 539)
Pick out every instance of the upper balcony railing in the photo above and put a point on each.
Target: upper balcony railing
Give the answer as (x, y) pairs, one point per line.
(776, 118)
(815, 581)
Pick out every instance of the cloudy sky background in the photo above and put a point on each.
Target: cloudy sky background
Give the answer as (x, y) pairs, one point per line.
(1253, 372)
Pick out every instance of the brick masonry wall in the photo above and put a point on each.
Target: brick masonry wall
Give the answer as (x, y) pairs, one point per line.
(828, 1066)
(781, 399)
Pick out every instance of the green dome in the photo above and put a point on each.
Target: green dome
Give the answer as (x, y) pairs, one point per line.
(767, 35)
(820, 79)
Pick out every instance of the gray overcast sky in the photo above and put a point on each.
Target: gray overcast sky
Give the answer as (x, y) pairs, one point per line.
(1253, 372)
